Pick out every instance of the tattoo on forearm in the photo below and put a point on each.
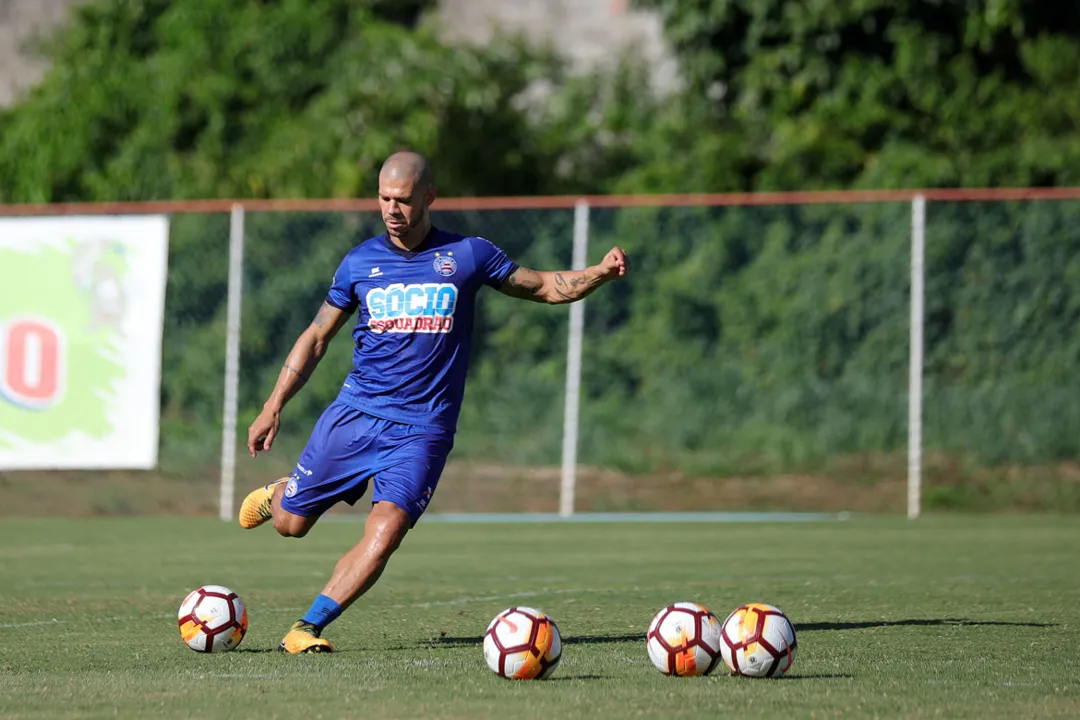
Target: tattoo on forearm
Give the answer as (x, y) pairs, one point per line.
(556, 287)
(322, 318)
(560, 283)
(521, 287)
(294, 371)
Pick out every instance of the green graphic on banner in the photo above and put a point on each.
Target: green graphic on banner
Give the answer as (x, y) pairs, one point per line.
(61, 314)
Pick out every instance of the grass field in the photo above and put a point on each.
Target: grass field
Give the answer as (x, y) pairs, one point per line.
(943, 617)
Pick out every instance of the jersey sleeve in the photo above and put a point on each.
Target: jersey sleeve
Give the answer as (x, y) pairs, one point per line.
(341, 293)
(492, 264)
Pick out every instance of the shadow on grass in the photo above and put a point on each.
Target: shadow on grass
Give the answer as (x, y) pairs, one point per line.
(601, 639)
(818, 676)
(450, 641)
(578, 677)
(915, 623)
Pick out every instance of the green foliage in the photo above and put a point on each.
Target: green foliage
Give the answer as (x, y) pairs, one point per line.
(776, 343)
(156, 100)
(748, 340)
(776, 338)
(879, 93)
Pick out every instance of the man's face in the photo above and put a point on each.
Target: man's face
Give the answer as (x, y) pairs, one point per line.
(404, 204)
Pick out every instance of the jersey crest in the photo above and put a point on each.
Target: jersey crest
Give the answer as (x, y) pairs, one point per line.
(445, 265)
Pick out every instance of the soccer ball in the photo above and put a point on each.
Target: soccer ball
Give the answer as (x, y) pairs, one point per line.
(758, 641)
(212, 619)
(522, 643)
(684, 640)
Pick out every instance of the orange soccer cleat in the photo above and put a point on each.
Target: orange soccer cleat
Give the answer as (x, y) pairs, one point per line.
(302, 638)
(256, 508)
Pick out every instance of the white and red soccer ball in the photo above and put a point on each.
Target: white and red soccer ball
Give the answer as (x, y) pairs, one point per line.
(758, 640)
(212, 619)
(522, 643)
(684, 640)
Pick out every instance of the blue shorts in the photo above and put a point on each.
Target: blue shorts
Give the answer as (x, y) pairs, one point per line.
(348, 448)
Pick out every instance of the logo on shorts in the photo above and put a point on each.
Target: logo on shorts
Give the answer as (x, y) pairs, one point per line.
(290, 488)
(445, 265)
(423, 502)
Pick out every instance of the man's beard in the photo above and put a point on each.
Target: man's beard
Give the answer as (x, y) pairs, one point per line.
(409, 227)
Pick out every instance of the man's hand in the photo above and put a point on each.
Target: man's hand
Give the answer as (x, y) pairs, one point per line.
(615, 264)
(262, 432)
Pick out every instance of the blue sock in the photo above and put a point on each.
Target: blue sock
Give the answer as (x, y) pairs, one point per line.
(323, 612)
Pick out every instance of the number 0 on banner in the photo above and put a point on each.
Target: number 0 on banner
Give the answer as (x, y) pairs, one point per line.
(32, 362)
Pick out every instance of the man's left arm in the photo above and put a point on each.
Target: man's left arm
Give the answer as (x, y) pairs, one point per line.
(565, 286)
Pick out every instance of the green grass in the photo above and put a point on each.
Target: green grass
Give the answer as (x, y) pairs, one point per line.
(950, 617)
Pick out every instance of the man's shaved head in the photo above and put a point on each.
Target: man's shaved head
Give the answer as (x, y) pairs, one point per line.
(407, 166)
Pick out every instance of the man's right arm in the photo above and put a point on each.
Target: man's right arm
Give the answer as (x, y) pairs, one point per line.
(306, 354)
(304, 357)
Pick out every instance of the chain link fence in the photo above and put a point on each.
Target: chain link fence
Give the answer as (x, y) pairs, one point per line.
(757, 358)
(1002, 422)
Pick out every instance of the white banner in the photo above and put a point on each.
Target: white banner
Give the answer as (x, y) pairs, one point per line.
(81, 311)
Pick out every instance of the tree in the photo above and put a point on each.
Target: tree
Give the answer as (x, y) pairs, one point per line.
(148, 99)
(878, 93)
(749, 339)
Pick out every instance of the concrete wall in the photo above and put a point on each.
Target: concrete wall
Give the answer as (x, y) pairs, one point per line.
(589, 32)
(20, 21)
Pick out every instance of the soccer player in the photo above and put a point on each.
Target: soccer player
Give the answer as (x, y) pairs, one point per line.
(393, 423)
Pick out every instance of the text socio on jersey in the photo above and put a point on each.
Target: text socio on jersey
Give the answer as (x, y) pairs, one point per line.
(413, 308)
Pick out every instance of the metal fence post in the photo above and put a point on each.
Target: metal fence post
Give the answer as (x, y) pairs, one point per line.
(573, 368)
(915, 380)
(232, 362)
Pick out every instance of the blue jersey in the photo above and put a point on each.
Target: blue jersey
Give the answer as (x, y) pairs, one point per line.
(413, 332)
